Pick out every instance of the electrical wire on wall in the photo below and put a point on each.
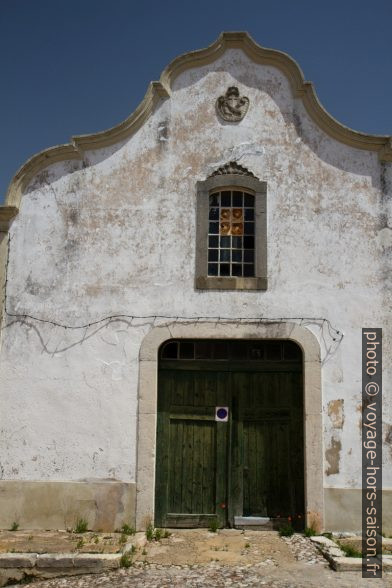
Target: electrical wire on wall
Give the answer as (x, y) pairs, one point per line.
(327, 331)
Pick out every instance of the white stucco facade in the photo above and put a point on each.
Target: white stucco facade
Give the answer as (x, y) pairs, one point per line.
(113, 233)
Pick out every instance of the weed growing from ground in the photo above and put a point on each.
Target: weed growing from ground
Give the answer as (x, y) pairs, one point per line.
(158, 534)
(214, 525)
(123, 539)
(14, 526)
(310, 532)
(286, 531)
(150, 532)
(126, 560)
(127, 530)
(81, 526)
(80, 544)
(153, 534)
(349, 550)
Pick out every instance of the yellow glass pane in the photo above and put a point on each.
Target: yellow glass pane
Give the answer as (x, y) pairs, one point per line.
(237, 229)
(225, 228)
(225, 214)
(237, 214)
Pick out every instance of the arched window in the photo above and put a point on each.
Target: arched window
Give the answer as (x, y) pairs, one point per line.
(231, 249)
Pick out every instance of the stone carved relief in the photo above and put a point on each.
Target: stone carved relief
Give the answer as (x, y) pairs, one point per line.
(232, 107)
(232, 168)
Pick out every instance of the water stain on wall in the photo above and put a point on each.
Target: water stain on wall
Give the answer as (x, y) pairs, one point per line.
(332, 456)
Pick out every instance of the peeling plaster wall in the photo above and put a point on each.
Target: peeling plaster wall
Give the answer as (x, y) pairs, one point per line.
(116, 235)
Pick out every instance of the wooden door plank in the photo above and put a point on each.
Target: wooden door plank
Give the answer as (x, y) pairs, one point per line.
(162, 469)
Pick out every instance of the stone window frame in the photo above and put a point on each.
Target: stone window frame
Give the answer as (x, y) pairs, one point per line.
(237, 182)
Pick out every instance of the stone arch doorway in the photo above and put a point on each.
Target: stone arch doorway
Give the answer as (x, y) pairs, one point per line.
(148, 396)
(229, 433)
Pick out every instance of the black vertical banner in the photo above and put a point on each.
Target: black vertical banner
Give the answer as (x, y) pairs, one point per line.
(371, 453)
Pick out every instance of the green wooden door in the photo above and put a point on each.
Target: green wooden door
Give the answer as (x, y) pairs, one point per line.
(191, 474)
(268, 459)
(252, 465)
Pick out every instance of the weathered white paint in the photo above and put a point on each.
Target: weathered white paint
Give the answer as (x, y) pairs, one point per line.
(117, 237)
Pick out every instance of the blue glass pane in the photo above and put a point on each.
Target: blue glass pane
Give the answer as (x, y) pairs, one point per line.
(249, 242)
(214, 213)
(226, 199)
(225, 255)
(213, 255)
(213, 241)
(214, 228)
(237, 198)
(236, 255)
(212, 269)
(249, 270)
(225, 241)
(249, 214)
(249, 200)
(249, 228)
(236, 269)
(249, 255)
(237, 242)
(224, 269)
(214, 200)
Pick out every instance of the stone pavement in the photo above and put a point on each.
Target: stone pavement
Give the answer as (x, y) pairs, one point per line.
(198, 558)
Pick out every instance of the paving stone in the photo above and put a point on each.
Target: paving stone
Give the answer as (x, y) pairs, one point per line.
(58, 560)
(342, 564)
(17, 560)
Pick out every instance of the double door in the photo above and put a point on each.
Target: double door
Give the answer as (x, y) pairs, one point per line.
(229, 443)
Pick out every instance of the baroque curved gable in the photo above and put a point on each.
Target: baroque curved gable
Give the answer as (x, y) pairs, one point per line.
(163, 89)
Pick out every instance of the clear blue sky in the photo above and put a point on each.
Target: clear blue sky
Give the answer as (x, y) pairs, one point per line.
(71, 67)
